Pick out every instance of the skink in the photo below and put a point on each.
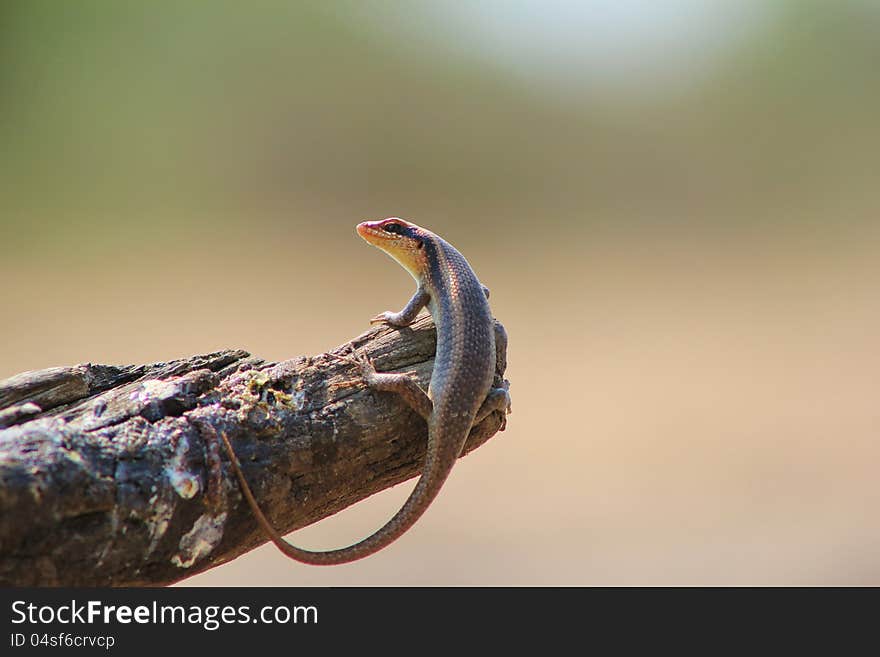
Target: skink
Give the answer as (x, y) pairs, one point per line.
(460, 391)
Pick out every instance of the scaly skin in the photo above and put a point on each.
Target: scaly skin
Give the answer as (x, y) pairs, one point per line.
(461, 392)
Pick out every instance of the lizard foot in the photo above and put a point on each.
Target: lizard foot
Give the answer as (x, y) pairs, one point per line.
(498, 400)
(360, 360)
(392, 319)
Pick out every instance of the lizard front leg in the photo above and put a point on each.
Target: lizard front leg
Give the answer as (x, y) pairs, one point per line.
(406, 316)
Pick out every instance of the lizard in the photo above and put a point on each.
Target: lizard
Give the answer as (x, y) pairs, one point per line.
(460, 393)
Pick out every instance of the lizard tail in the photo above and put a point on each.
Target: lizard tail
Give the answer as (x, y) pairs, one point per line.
(438, 465)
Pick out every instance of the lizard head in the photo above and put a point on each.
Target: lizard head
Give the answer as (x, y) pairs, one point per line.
(403, 241)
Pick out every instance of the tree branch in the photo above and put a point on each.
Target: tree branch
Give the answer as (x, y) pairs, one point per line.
(107, 477)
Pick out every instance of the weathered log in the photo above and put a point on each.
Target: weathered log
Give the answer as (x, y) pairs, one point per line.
(109, 475)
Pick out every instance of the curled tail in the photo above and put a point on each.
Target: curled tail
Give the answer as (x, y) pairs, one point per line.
(439, 459)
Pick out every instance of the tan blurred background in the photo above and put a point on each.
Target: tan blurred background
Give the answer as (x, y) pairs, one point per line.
(675, 205)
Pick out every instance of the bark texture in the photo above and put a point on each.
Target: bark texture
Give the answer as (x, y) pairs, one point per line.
(113, 475)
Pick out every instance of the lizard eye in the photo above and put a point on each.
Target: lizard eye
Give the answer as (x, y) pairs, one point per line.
(397, 229)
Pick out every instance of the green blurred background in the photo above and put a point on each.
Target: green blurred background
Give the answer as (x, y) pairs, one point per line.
(675, 205)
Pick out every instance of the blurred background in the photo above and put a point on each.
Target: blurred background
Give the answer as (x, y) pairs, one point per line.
(675, 205)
